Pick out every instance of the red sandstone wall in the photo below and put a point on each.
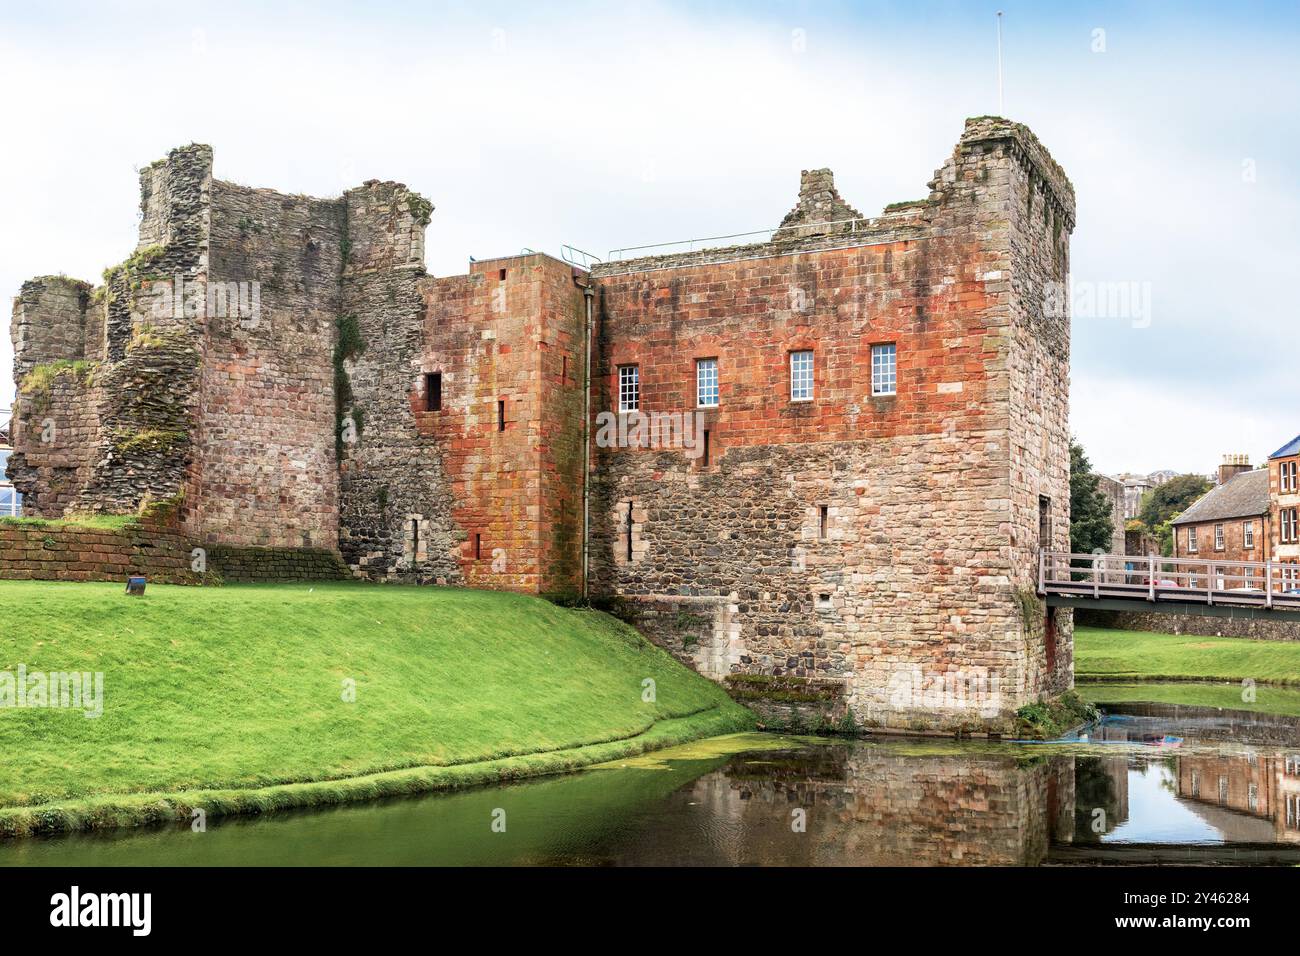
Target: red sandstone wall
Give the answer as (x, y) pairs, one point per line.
(517, 489)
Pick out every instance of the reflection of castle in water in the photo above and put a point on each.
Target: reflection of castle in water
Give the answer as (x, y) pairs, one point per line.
(915, 805)
(873, 806)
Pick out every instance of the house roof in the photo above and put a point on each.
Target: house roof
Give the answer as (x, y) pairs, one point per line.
(1290, 448)
(1241, 496)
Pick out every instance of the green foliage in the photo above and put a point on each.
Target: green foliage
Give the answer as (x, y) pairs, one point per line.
(1052, 718)
(1091, 516)
(242, 688)
(148, 441)
(1163, 504)
(93, 522)
(421, 209)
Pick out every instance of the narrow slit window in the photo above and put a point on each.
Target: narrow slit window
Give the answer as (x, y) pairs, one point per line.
(629, 531)
(823, 521)
(478, 545)
(705, 457)
(415, 538)
(501, 415)
(433, 392)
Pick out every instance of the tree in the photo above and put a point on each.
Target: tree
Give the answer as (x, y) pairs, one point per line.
(1161, 505)
(1167, 501)
(1092, 519)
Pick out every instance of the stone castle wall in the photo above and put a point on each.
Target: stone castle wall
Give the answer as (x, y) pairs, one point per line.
(887, 542)
(267, 472)
(884, 592)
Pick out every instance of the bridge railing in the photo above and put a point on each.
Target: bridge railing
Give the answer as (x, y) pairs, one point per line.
(1153, 578)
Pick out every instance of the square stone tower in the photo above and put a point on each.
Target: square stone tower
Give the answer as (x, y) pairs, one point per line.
(887, 445)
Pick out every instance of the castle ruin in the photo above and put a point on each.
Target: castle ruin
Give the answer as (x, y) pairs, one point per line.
(833, 454)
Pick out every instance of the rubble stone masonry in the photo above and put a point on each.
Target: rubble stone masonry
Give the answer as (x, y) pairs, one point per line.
(431, 429)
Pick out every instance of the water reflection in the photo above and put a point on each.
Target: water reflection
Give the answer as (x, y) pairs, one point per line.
(1141, 788)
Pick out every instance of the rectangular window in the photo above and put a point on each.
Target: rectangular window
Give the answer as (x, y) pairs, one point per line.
(1248, 534)
(884, 370)
(1218, 537)
(629, 388)
(433, 392)
(478, 545)
(501, 415)
(823, 521)
(706, 382)
(801, 376)
(705, 457)
(1293, 484)
(1191, 540)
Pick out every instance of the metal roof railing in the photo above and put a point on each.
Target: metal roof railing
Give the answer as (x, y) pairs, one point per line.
(706, 242)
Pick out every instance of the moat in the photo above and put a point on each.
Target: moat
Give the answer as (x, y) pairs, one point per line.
(1154, 784)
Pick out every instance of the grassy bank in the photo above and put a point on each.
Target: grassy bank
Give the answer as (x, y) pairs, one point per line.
(1136, 655)
(1284, 701)
(254, 698)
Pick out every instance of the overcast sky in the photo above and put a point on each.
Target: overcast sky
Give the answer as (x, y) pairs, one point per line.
(607, 125)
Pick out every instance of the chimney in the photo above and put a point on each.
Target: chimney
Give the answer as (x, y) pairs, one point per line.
(1233, 465)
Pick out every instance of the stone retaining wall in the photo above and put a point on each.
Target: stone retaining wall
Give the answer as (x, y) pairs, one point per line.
(1262, 629)
(277, 564)
(62, 553)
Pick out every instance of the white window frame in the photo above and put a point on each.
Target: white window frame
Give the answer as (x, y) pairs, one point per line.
(802, 372)
(884, 369)
(706, 383)
(1248, 534)
(1219, 538)
(629, 388)
(1191, 542)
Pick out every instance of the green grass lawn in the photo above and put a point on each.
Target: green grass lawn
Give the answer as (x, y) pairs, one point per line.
(1136, 655)
(243, 687)
(1263, 699)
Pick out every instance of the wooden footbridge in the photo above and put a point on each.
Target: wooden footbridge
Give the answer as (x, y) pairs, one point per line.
(1117, 582)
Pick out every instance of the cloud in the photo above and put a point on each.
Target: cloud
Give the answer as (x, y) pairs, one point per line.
(606, 126)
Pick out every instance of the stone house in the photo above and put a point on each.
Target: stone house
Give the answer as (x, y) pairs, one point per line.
(1284, 509)
(1230, 522)
(832, 455)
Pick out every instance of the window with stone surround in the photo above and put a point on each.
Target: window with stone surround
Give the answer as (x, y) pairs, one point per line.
(1191, 541)
(706, 382)
(884, 369)
(801, 376)
(1218, 537)
(629, 388)
(1290, 526)
(1248, 534)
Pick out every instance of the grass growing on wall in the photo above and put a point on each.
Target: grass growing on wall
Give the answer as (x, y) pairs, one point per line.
(235, 691)
(1101, 654)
